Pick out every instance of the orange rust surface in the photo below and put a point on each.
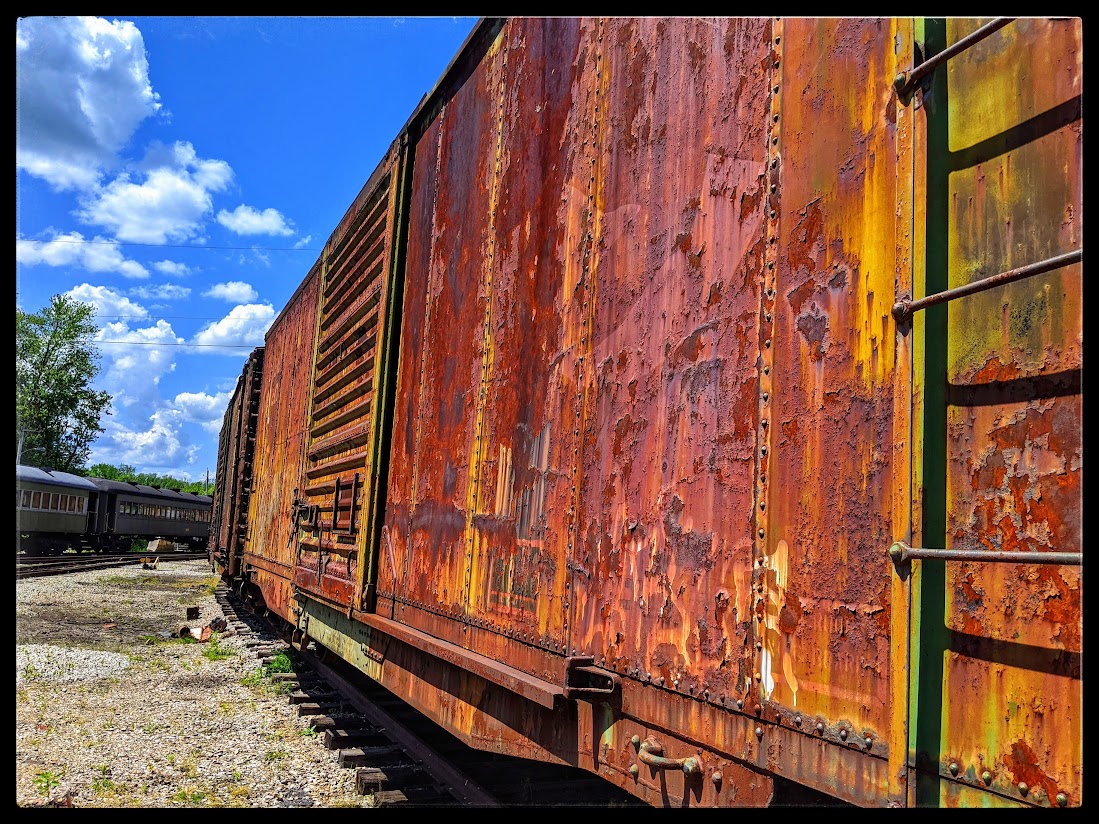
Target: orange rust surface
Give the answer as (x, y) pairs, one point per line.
(826, 577)
(281, 428)
(1014, 420)
(663, 561)
(619, 432)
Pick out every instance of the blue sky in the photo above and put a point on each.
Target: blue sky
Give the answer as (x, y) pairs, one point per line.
(181, 174)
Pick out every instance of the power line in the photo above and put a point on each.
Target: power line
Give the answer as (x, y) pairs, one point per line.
(161, 317)
(176, 245)
(195, 345)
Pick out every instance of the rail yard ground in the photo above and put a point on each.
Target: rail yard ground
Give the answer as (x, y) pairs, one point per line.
(114, 709)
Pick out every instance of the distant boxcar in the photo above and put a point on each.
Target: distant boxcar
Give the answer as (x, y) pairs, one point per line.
(698, 402)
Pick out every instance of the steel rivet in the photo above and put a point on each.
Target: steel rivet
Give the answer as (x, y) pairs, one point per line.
(762, 504)
(660, 681)
(820, 728)
(986, 777)
(759, 677)
(763, 450)
(843, 734)
(759, 709)
(1023, 788)
(776, 118)
(759, 732)
(634, 770)
(775, 89)
(706, 694)
(635, 740)
(776, 64)
(648, 676)
(761, 533)
(797, 720)
(1062, 799)
(774, 188)
(767, 343)
(774, 163)
(739, 704)
(675, 683)
(759, 645)
(868, 741)
(953, 768)
(716, 777)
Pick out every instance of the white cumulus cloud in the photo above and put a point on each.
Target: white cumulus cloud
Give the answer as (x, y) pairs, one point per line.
(234, 291)
(81, 90)
(107, 302)
(171, 268)
(245, 325)
(165, 291)
(167, 202)
(208, 411)
(73, 249)
(244, 220)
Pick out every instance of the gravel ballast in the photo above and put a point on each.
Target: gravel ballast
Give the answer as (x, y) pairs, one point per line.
(114, 709)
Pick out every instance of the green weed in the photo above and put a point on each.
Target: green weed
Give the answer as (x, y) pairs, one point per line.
(215, 652)
(46, 780)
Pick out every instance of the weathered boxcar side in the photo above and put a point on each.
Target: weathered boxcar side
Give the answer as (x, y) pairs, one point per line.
(698, 402)
(233, 475)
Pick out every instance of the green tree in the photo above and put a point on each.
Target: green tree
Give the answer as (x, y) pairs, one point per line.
(57, 413)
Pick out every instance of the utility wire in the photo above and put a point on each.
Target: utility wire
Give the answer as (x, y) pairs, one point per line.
(174, 245)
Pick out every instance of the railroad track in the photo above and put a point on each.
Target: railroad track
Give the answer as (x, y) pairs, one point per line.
(401, 757)
(35, 567)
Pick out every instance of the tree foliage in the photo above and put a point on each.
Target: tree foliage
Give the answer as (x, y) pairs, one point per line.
(127, 473)
(57, 412)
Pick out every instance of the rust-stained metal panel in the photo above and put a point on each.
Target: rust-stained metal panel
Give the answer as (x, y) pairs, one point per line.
(824, 516)
(233, 476)
(481, 460)
(655, 426)
(663, 567)
(1010, 109)
(280, 443)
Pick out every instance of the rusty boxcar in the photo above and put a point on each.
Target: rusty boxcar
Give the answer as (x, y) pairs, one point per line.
(698, 402)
